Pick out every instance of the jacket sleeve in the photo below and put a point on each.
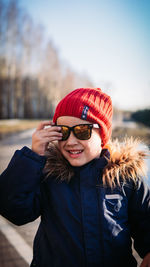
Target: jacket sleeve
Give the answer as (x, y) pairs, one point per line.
(20, 197)
(139, 215)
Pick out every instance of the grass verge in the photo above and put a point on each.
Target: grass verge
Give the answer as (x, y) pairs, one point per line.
(9, 127)
(143, 133)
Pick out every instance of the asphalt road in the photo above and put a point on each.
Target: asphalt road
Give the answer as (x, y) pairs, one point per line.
(16, 241)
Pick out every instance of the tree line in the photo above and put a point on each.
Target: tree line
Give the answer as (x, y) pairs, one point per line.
(142, 116)
(33, 77)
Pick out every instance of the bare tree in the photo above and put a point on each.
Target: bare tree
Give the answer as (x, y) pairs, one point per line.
(32, 75)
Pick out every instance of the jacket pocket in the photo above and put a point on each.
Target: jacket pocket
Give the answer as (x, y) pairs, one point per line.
(115, 216)
(114, 205)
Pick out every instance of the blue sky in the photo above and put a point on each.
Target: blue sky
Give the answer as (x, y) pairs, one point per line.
(109, 40)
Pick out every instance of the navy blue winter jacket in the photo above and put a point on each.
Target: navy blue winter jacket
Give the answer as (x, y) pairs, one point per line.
(83, 222)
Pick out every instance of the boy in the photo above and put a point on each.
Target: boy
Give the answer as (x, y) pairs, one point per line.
(91, 199)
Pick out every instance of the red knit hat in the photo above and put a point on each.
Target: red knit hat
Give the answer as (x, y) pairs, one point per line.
(89, 104)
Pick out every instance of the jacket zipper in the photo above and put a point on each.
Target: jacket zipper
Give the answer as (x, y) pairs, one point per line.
(98, 187)
(83, 238)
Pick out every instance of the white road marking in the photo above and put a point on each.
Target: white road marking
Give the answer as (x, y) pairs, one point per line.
(16, 240)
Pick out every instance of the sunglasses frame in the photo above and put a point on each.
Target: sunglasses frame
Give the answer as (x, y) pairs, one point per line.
(71, 129)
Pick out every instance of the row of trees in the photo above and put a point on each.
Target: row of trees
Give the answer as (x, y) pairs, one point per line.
(33, 77)
(142, 116)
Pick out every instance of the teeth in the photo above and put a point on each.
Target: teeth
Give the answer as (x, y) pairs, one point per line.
(75, 152)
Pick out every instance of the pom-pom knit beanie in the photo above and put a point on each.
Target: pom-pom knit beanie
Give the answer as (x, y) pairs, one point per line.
(89, 104)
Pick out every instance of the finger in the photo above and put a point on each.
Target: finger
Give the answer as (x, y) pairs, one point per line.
(53, 129)
(43, 124)
(52, 135)
(44, 139)
(51, 139)
(50, 132)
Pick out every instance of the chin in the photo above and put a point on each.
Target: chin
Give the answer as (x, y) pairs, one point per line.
(77, 163)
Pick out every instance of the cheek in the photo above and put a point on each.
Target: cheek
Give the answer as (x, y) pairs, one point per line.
(95, 145)
(61, 146)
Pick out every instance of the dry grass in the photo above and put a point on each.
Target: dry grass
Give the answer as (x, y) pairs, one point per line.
(140, 132)
(8, 127)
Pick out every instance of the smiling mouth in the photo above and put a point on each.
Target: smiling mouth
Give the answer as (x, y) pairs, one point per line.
(73, 152)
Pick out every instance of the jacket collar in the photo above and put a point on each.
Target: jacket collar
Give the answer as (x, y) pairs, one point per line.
(97, 163)
(123, 160)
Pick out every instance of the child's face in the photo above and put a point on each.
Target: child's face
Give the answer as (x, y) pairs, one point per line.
(79, 152)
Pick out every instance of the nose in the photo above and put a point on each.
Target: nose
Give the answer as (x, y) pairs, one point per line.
(72, 140)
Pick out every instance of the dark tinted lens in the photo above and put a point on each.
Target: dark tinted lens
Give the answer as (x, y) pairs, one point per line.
(65, 131)
(82, 132)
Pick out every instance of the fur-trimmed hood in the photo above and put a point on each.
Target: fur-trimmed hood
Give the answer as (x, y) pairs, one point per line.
(126, 160)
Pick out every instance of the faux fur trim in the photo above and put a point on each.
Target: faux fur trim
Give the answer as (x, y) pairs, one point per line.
(56, 165)
(126, 161)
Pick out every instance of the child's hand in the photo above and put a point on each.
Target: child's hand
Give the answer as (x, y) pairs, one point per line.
(146, 261)
(42, 136)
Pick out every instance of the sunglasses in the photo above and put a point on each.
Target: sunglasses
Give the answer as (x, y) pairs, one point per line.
(81, 131)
